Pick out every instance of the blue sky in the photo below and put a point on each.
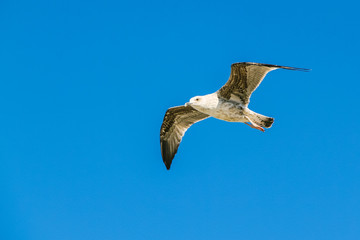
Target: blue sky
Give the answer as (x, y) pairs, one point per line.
(84, 88)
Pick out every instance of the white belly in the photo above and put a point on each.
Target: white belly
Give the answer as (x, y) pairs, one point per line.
(227, 111)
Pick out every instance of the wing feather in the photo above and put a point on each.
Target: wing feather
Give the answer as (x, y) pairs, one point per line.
(176, 121)
(244, 78)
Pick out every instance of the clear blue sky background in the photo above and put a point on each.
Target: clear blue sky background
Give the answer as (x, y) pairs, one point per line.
(84, 88)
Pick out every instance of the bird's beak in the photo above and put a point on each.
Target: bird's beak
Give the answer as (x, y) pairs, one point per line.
(187, 104)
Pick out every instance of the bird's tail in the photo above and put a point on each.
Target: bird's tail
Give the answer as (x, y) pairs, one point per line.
(259, 119)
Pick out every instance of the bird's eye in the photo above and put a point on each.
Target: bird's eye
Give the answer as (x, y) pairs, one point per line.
(197, 99)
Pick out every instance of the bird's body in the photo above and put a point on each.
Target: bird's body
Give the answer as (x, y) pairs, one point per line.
(219, 108)
(229, 103)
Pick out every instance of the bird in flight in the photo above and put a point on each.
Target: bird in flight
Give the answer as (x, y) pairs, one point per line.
(229, 103)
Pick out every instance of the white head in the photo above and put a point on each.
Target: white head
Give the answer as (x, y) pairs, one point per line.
(203, 102)
(196, 100)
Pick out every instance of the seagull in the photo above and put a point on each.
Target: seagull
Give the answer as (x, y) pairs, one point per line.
(229, 103)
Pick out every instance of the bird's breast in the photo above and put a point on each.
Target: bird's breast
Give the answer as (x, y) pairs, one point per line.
(228, 111)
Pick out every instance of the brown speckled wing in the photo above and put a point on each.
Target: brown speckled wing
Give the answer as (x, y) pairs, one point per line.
(244, 78)
(176, 121)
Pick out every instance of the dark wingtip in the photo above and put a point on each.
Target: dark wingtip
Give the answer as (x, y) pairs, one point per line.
(165, 152)
(167, 163)
(298, 69)
(167, 166)
(290, 68)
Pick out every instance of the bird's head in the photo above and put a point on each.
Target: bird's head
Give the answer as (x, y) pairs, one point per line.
(195, 101)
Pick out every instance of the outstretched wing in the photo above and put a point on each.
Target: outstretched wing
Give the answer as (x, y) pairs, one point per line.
(176, 121)
(244, 78)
